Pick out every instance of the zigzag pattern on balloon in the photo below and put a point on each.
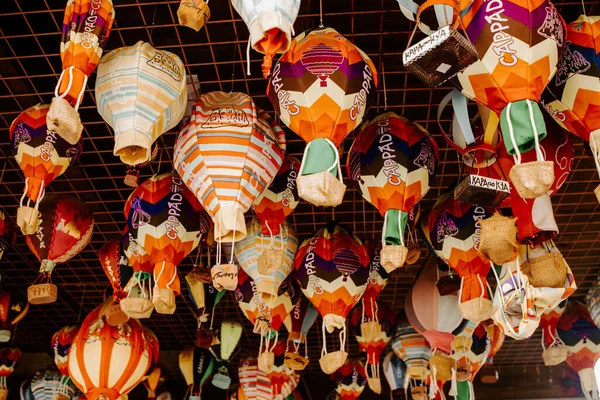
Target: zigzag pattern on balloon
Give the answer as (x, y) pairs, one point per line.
(325, 61)
(536, 32)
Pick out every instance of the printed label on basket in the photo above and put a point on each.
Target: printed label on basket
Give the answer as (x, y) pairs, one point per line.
(424, 46)
(489, 183)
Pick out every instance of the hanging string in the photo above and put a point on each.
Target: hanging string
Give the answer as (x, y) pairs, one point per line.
(198, 254)
(385, 106)
(321, 14)
(583, 6)
(81, 302)
(233, 69)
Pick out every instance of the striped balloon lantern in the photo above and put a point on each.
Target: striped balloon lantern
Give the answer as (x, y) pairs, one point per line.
(271, 26)
(66, 226)
(394, 370)
(572, 97)
(268, 260)
(412, 348)
(47, 385)
(227, 155)
(510, 79)
(470, 349)
(391, 161)
(61, 344)
(85, 30)
(141, 93)
(42, 155)
(332, 268)
(321, 88)
(230, 333)
(167, 221)
(106, 362)
(9, 358)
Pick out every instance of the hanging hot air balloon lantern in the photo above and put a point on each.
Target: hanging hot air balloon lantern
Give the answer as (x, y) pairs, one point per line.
(153, 103)
(118, 271)
(572, 96)
(256, 384)
(470, 349)
(271, 26)
(227, 189)
(152, 380)
(279, 199)
(196, 365)
(302, 317)
(126, 352)
(267, 316)
(535, 218)
(8, 233)
(373, 330)
(413, 349)
(65, 227)
(454, 233)
(554, 350)
(9, 358)
(582, 340)
(511, 82)
(138, 303)
(230, 334)
(434, 316)
(85, 30)
(283, 378)
(61, 344)
(205, 298)
(46, 385)
(268, 260)
(321, 88)
(391, 160)
(42, 155)
(167, 221)
(13, 308)
(394, 370)
(351, 379)
(332, 268)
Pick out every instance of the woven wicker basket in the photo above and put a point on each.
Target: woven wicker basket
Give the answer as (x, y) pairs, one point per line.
(43, 293)
(549, 270)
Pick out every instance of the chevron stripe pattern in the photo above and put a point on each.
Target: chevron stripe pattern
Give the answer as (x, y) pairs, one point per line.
(351, 379)
(332, 281)
(580, 335)
(453, 230)
(141, 93)
(322, 86)
(79, 48)
(167, 221)
(137, 256)
(549, 321)
(41, 154)
(227, 155)
(280, 198)
(252, 247)
(257, 385)
(391, 161)
(519, 62)
(573, 96)
(473, 348)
